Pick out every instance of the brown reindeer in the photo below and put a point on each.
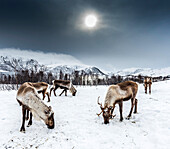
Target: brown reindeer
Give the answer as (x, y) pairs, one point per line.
(41, 87)
(116, 94)
(147, 82)
(29, 99)
(65, 85)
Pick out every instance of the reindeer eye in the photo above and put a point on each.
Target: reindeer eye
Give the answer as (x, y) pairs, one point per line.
(46, 112)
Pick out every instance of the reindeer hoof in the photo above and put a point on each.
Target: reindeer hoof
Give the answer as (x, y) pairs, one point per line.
(22, 130)
(29, 125)
(121, 119)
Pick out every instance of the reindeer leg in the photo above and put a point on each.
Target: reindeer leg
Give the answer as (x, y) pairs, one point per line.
(23, 119)
(145, 88)
(48, 96)
(65, 92)
(132, 105)
(149, 88)
(121, 109)
(43, 92)
(62, 92)
(55, 90)
(27, 114)
(136, 102)
(30, 121)
(112, 116)
(51, 90)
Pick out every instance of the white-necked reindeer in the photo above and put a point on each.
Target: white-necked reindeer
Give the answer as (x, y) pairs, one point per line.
(41, 87)
(117, 94)
(63, 84)
(29, 99)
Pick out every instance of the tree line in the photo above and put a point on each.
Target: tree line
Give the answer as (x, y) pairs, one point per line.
(77, 78)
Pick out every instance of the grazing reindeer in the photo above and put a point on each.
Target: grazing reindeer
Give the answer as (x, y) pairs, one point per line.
(147, 82)
(117, 94)
(41, 87)
(65, 85)
(29, 99)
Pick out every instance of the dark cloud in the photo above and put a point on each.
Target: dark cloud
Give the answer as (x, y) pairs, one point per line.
(127, 28)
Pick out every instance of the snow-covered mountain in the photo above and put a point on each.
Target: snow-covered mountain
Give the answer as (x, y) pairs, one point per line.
(66, 69)
(144, 72)
(10, 65)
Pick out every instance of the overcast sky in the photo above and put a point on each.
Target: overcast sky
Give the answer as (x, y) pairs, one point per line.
(128, 33)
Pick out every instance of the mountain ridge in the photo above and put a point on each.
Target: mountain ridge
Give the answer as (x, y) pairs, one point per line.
(10, 65)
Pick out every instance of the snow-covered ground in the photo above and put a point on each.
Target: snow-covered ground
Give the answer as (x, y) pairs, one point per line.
(78, 127)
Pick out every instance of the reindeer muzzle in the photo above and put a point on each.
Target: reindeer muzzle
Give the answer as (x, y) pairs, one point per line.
(50, 127)
(106, 122)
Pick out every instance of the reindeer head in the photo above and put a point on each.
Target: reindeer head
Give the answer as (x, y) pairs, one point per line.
(106, 113)
(49, 121)
(74, 93)
(73, 90)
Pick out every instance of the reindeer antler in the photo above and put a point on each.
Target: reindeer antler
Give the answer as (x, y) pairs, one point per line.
(112, 116)
(100, 106)
(98, 102)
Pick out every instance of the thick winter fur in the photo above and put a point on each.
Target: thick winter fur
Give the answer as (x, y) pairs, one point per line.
(41, 87)
(147, 82)
(117, 94)
(29, 99)
(63, 84)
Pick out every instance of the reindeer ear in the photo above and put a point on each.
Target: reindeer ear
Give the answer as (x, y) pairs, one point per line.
(46, 112)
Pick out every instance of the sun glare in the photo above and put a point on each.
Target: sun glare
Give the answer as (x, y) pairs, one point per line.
(90, 21)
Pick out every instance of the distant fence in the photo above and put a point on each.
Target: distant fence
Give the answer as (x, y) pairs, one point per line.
(8, 87)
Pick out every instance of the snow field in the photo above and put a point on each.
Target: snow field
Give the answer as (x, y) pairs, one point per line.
(77, 125)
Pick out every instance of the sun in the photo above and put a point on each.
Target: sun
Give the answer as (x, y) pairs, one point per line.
(90, 21)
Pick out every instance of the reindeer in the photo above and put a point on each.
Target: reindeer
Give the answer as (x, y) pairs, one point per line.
(41, 87)
(147, 81)
(65, 85)
(116, 94)
(29, 99)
